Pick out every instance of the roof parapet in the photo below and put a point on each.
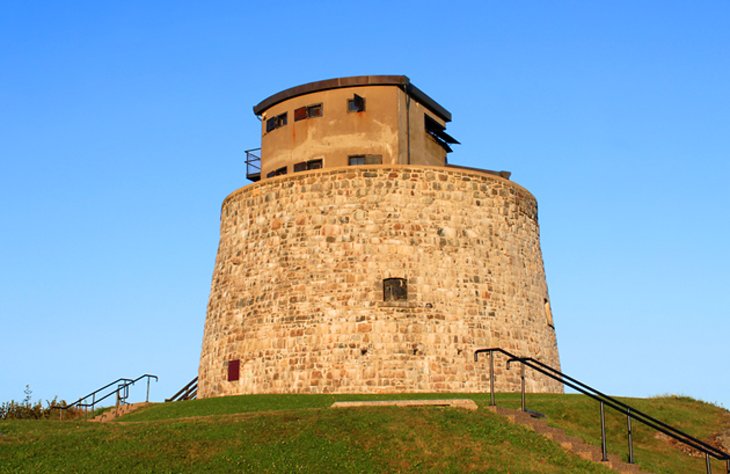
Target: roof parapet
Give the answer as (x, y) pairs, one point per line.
(355, 81)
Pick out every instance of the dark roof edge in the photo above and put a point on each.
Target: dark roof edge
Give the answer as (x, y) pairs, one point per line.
(355, 81)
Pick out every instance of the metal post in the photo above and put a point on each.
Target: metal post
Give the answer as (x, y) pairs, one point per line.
(522, 377)
(707, 463)
(631, 436)
(604, 453)
(148, 390)
(492, 402)
(728, 466)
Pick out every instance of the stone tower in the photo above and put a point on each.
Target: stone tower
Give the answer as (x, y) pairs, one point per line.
(360, 261)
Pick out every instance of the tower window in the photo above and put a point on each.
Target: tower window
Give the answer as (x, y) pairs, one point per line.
(438, 133)
(308, 165)
(356, 104)
(276, 122)
(308, 112)
(354, 160)
(276, 172)
(234, 370)
(395, 289)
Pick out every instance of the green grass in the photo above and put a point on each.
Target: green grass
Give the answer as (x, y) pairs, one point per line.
(579, 416)
(299, 433)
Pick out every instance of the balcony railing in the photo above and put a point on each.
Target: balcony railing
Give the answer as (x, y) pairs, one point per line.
(253, 164)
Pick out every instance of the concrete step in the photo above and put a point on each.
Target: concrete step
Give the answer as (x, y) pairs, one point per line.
(109, 415)
(464, 403)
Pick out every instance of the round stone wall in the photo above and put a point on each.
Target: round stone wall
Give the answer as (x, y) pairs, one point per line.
(297, 294)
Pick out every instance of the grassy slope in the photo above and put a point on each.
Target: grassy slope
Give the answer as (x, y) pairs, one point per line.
(291, 433)
(579, 416)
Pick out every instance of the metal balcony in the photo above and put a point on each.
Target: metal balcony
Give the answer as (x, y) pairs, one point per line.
(253, 164)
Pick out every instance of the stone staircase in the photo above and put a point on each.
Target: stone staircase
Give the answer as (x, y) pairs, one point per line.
(122, 410)
(568, 443)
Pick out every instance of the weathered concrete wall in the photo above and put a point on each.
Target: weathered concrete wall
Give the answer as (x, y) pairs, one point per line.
(337, 133)
(387, 127)
(297, 287)
(423, 148)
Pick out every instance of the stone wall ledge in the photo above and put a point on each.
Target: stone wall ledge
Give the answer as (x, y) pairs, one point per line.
(363, 170)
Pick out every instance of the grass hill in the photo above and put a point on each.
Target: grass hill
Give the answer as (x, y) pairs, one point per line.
(299, 433)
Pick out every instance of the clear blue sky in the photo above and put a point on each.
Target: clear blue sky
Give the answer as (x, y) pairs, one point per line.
(123, 125)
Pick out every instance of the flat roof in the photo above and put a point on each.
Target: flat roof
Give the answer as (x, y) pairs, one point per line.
(355, 81)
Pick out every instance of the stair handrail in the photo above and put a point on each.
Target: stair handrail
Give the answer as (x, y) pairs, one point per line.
(642, 417)
(627, 407)
(92, 394)
(603, 399)
(149, 377)
(122, 387)
(183, 391)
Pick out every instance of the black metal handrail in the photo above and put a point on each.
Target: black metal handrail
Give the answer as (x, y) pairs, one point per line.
(121, 390)
(604, 400)
(149, 377)
(92, 395)
(188, 392)
(253, 164)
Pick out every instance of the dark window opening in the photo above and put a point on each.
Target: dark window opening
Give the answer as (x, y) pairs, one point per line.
(275, 122)
(276, 172)
(438, 133)
(300, 114)
(395, 289)
(354, 160)
(314, 110)
(307, 112)
(234, 370)
(356, 104)
(308, 165)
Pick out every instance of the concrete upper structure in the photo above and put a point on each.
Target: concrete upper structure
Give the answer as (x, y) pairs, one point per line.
(351, 121)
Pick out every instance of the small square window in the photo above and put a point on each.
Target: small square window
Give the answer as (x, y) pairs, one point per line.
(300, 166)
(275, 122)
(271, 124)
(395, 289)
(308, 112)
(356, 104)
(356, 160)
(314, 110)
(276, 172)
(300, 114)
(308, 165)
(234, 370)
